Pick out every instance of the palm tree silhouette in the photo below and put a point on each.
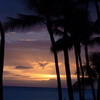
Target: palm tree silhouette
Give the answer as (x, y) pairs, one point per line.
(43, 14)
(77, 27)
(92, 41)
(2, 44)
(85, 42)
(77, 30)
(94, 59)
(94, 64)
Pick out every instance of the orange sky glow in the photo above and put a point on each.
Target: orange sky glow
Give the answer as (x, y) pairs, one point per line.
(31, 60)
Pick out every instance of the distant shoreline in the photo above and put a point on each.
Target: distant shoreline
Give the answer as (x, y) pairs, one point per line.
(32, 87)
(38, 87)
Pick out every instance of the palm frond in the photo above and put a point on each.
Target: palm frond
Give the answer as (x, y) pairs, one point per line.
(30, 4)
(39, 6)
(96, 27)
(94, 41)
(86, 84)
(92, 71)
(94, 61)
(58, 32)
(94, 58)
(22, 22)
(59, 22)
(60, 44)
(94, 74)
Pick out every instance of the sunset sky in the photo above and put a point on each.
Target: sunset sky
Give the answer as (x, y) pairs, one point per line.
(28, 59)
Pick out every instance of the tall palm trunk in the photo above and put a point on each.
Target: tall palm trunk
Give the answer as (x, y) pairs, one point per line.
(98, 15)
(88, 69)
(80, 62)
(1, 60)
(67, 66)
(68, 74)
(66, 58)
(49, 28)
(98, 90)
(78, 73)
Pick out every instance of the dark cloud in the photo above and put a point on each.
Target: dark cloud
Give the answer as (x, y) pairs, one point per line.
(24, 76)
(42, 65)
(6, 72)
(23, 67)
(18, 75)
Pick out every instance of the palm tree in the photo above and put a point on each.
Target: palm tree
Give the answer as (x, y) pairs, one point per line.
(85, 44)
(92, 41)
(67, 15)
(67, 66)
(69, 44)
(94, 59)
(42, 9)
(80, 25)
(75, 46)
(1, 59)
(86, 48)
(87, 61)
(64, 8)
(79, 29)
(86, 55)
(87, 83)
(81, 67)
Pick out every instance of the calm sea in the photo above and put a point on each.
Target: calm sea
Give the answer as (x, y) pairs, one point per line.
(34, 93)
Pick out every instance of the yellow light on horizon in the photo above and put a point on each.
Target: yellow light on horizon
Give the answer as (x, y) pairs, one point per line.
(50, 76)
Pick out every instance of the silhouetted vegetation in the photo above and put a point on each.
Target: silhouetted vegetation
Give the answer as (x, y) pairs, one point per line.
(2, 44)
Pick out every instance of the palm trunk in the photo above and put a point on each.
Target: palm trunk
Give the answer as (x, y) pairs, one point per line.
(66, 60)
(88, 69)
(68, 74)
(98, 15)
(49, 27)
(67, 67)
(78, 73)
(57, 70)
(80, 61)
(98, 90)
(1, 60)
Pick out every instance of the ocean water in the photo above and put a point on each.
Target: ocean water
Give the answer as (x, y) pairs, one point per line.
(34, 93)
